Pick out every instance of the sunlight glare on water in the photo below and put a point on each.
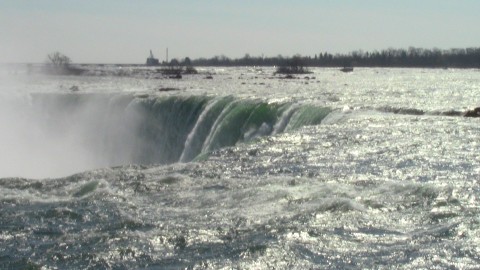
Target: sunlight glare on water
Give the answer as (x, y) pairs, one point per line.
(369, 169)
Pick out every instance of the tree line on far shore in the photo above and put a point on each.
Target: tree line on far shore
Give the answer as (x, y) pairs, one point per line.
(411, 57)
(408, 58)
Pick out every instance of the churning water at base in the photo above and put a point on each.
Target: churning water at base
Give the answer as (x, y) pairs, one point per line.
(246, 183)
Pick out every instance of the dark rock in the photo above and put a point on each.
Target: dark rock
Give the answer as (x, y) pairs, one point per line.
(177, 76)
(166, 89)
(451, 113)
(472, 113)
(346, 69)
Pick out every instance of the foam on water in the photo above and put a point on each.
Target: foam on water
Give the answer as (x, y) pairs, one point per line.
(81, 131)
(341, 188)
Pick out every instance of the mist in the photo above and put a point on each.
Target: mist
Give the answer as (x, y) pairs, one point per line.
(48, 135)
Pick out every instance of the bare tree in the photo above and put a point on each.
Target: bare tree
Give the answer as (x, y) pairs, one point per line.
(59, 60)
(59, 64)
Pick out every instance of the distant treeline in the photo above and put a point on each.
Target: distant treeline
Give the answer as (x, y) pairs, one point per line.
(411, 57)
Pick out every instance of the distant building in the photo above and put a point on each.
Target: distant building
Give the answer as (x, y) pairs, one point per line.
(152, 61)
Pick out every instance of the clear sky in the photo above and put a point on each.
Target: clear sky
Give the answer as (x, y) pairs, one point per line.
(121, 31)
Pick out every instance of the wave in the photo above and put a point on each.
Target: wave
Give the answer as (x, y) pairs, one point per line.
(124, 129)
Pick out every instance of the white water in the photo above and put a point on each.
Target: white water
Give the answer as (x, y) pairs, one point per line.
(194, 131)
(367, 188)
(26, 143)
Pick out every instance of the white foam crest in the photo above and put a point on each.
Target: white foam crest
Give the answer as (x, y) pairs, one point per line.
(284, 119)
(253, 132)
(213, 131)
(65, 192)
(191, 135)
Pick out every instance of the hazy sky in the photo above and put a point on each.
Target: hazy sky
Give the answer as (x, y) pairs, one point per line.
(121, 31)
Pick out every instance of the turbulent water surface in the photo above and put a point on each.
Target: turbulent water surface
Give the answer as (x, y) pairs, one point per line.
(372, 169)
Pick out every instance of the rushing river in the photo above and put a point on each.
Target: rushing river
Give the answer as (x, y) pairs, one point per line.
(373, 169)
